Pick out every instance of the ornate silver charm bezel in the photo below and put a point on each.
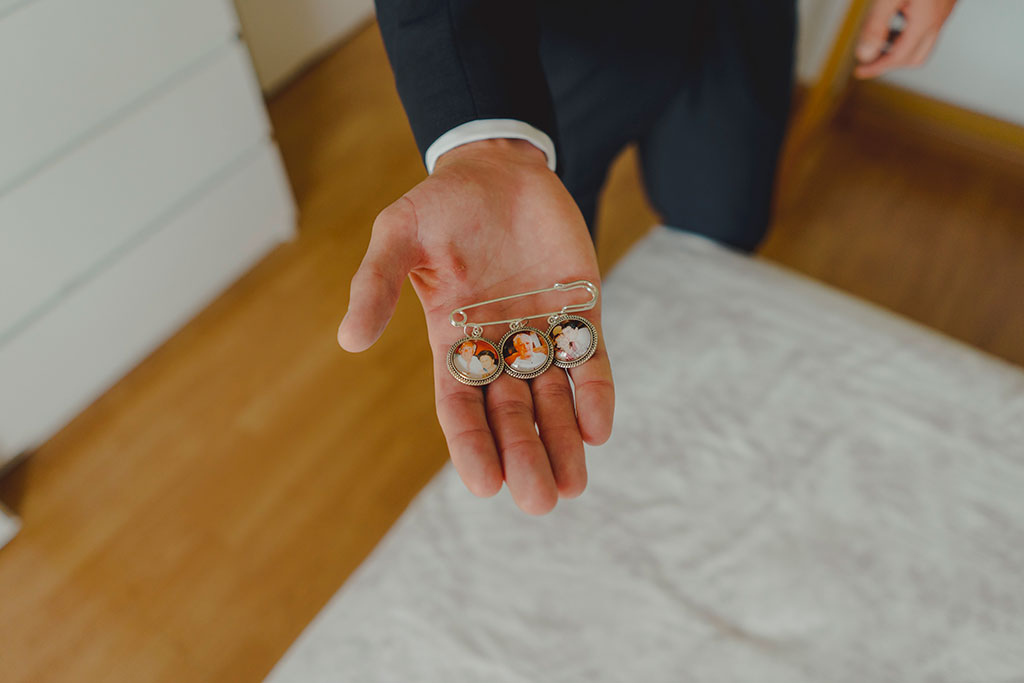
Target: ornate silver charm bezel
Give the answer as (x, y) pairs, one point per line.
(532, 373)
(458, 375)
(558, 320)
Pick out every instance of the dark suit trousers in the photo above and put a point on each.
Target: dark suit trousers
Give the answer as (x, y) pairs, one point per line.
(702, 88)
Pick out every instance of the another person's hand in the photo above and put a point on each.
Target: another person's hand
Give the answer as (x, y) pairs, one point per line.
(491, 221)
(924, 20)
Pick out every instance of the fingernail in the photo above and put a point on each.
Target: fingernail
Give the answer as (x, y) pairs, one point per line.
(867, 51)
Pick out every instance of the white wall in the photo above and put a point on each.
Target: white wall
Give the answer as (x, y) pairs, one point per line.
(978, 62)
(286, 35)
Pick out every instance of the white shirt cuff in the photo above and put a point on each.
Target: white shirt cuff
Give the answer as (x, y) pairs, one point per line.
(490, 129)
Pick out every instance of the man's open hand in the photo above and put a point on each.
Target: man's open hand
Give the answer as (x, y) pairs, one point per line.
(491, 221)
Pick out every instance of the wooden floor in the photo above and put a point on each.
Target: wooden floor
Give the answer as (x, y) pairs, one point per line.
(192, 521)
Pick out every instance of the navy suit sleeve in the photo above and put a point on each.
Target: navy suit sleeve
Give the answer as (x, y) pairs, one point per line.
(462, 60)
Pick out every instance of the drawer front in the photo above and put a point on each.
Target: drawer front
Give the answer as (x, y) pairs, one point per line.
(68, 357)
(66, 66)
(69, 220)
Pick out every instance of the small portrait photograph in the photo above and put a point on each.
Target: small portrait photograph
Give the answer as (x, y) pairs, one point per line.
(476, 359)
(572, 339)
(525, 351)
(488, 360)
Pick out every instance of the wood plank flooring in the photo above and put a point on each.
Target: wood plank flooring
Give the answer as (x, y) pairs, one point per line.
(190, 523)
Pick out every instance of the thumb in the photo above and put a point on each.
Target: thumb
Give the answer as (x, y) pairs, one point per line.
(378, 282)
(876, 29)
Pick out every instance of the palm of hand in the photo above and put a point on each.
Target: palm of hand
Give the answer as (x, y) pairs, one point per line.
(478, 230)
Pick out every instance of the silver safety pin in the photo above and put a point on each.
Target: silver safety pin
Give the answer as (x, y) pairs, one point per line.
(459, 318)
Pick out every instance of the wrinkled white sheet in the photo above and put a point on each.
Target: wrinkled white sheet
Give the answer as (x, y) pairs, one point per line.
(799, 487)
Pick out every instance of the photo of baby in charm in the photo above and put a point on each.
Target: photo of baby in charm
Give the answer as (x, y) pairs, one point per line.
(572, 341)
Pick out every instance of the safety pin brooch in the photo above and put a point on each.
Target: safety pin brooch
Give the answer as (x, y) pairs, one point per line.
(524, 352)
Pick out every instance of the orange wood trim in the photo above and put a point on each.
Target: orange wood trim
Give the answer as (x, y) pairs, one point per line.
(822, 98)
(888, 105)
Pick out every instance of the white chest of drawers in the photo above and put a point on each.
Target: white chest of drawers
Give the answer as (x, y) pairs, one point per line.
(138, 178)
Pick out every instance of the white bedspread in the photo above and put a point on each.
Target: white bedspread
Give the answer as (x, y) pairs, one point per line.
(799, 487)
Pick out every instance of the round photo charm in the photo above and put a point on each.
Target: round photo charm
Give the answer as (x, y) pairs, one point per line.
(474, 361)
(526, 352)
(574, 339)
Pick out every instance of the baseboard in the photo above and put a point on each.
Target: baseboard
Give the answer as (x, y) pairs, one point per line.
(911, 113)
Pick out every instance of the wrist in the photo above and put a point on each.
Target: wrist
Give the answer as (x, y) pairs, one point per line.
(507, 150)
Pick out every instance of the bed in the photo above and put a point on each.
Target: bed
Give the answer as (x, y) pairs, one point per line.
(799, 487)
